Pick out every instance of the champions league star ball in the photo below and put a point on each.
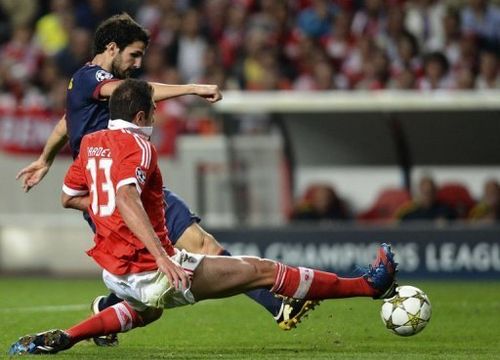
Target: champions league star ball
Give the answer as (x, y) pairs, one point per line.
(407, 312)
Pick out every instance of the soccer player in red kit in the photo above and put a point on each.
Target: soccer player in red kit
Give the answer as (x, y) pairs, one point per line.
(119, 46)
(116, 178)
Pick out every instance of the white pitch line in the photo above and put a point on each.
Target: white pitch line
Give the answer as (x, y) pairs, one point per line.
(46, 308)
(69, 307)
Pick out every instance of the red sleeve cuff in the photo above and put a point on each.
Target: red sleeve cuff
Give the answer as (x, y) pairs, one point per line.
(97, 90)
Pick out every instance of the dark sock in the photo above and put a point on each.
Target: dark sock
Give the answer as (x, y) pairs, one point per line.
(262, 296)
(108, 301)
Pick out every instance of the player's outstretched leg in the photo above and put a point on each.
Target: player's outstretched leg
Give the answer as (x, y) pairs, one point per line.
(242, 274)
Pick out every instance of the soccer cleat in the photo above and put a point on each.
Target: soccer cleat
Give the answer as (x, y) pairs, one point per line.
(105, 340)
(48, 342)
(381, 275)
(292, 311)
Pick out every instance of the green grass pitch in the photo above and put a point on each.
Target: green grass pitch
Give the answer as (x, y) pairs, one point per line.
(465, 325)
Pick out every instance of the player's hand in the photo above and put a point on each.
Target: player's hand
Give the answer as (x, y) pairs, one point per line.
(174, 272)
(209, 92)
(33, 173)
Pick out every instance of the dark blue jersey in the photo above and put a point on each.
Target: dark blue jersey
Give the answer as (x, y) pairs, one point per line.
(86, 112)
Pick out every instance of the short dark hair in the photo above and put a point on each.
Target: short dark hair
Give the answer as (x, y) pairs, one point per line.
(130, 97)
(439, 58)
(122, 30)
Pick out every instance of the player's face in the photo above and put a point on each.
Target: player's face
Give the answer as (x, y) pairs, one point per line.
(128, 59)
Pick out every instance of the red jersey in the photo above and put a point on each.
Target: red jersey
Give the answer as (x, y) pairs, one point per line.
(109, 159)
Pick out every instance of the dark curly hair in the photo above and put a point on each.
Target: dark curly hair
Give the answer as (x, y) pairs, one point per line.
(122, 30)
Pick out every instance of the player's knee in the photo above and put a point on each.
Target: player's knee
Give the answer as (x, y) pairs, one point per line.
(209, 245)
(198, 241)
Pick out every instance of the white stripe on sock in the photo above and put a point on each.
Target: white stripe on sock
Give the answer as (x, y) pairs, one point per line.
(124, 316)
(280, 278)
(306, 278)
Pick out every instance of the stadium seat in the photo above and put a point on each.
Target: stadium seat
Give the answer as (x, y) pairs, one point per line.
(386, 205)
(457, 196)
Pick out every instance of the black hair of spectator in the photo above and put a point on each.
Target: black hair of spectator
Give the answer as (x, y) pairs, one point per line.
(120, 29)
(438, 57)
(412, 39)
(129, 98)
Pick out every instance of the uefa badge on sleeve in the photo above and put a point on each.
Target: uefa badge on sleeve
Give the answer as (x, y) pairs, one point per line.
(140, 175)
(102, 75)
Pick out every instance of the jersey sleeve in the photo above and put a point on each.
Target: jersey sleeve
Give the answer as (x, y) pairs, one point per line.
(136, 163)
(74, 182)
(93, 79)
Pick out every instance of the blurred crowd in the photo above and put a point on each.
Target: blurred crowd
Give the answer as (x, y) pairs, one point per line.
(259, 44)
(428, 202)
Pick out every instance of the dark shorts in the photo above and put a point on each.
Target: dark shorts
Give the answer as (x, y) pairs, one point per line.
(177, 215)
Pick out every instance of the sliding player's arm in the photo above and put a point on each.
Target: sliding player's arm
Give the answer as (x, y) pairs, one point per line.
(135, 217)
(81, 203)
(75, 192)
(34, 173)
(164, 91)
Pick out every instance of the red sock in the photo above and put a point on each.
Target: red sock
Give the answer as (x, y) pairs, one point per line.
(117, 318)
(304, 283)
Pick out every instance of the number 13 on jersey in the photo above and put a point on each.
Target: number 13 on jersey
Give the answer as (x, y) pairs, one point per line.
(100, 186)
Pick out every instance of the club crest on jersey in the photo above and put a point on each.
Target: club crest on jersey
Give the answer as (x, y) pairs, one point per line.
(102, 75)
(140, 175)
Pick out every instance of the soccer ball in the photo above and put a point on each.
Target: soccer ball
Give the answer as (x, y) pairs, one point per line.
(407, 312)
